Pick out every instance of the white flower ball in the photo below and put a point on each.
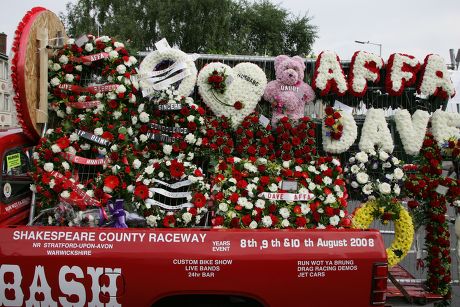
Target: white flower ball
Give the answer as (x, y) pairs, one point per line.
(89, 47)
(48, 167)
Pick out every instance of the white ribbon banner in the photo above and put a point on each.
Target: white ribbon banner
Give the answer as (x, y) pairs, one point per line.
(170, 194)
(286, 196)
(165, 83)
(149, 74)
(152, 202)
(175, 185)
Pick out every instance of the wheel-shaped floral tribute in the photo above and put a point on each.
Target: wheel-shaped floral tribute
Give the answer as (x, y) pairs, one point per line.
(171, 193)
(257, 193)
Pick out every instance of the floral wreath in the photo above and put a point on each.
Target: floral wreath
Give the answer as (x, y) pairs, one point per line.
(404, 229)
(254, 138)
(231, 92)
(375, 175)
(109, 63)
(339, 131)
(295, 140)
(157, 58)
(243, 191)
(173, 207)
(172, 132)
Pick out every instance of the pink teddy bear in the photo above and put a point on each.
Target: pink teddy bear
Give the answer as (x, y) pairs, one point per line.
(288, 94)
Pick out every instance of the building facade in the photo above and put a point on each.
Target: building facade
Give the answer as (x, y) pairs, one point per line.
(7, 109)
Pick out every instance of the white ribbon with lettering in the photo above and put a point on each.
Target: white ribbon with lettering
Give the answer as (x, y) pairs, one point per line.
(152, 202)
(170, 194)
(155, 73)
(175, 185)
(164, 84)
(286, 196)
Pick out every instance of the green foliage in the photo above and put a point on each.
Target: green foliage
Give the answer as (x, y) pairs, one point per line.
(203, 26)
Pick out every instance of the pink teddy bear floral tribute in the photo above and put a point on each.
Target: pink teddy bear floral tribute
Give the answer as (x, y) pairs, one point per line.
(288, 94)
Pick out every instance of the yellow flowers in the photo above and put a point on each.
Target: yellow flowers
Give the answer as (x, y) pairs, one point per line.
(404, 229)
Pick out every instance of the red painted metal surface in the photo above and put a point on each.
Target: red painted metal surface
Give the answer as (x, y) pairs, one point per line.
(137, 267)
(14, 212)
(411, 289)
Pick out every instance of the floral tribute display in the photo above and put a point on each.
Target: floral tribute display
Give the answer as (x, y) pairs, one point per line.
(401, 72)
(257, 193)
(375, 175)
(231, 92)
(171, 193)
(91, 75)
(88, 160)
(296, 141)
(170, 125)
(339, 131)
(404, 228)
(288, 94)
(167, 67)
(431, 192)
(364, 67)
(377, 179)
(254, 138)
(219, 140)
(435, 79)
(329, 76)
(412, 130)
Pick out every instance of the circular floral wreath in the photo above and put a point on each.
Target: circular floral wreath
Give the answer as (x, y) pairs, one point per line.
(404, 229)
(375, 175)
(156, 58)
(103, 63)
(162, 177)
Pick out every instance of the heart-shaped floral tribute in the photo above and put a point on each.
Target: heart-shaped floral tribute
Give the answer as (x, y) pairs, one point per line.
(231, 92)
(257, 193)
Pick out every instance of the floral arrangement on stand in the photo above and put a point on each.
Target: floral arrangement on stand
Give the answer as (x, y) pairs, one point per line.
(377, 178)
(431, 192)
(171, 193)
(258, 193)
(254, 138)
(296, 140)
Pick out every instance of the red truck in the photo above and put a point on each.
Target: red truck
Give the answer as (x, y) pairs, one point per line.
(78, 266)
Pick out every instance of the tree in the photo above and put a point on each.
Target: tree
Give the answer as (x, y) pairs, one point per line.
(203, 26)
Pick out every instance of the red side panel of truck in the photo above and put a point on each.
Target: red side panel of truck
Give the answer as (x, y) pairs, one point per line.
(138, 267)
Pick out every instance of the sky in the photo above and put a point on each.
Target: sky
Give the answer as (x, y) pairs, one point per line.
(408, 26)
